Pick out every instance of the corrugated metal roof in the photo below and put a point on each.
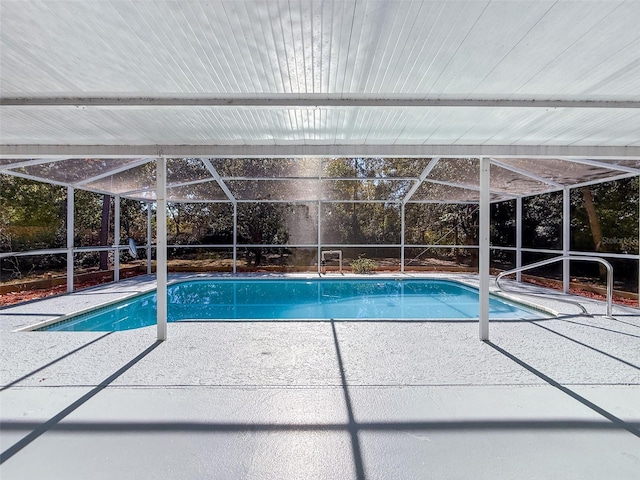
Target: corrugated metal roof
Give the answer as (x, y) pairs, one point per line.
(501, 50)
(535, 49)
(346, 78)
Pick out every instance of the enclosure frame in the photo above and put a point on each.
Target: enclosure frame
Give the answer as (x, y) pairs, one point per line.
(484, 191)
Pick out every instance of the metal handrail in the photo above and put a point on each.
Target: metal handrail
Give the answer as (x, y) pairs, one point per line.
(569, 257)
(330, 252)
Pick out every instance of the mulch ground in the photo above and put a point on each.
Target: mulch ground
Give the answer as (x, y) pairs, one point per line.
(630, 302)
(13, 298)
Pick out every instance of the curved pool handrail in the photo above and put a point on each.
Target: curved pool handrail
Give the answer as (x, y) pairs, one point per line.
(569, 257)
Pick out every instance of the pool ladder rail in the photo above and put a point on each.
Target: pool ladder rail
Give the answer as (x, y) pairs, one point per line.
(323, 269)
(569, 258)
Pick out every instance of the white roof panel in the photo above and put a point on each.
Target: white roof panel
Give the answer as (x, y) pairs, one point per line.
(339, 125)
(308, 77)
(531, 48)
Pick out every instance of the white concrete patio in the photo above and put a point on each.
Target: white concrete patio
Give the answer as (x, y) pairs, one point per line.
(553, 398)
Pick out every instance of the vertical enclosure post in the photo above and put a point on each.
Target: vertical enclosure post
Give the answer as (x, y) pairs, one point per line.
(116, 238)
(518, 237)
(638, 241)
(70, 239)
(161, 246)
(402, 238)
(484, 253)
(319, 237)
(148, 238)
(566, 237)
(235, 237)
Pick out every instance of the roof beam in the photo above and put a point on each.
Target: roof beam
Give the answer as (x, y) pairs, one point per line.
(114, 171)
(336, 179)
(525, 173)
(425, 173)
(30, 163)
(212, 170)
(605, 165)
(169, 186)
(604, 180)
(329, 150)
(468, 187)
(305, 101)
(13, 173)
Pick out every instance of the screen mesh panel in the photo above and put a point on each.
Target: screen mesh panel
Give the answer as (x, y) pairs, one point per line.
(75, 170)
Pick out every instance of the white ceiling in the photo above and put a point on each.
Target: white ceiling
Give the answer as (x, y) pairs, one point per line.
(271, 78)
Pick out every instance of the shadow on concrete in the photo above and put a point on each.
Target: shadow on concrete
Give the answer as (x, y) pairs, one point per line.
(24, 377)
(617, 319)
(352, 427)
(619, 423)
(214, 427)
(35, 429)
(41, 428)
(565, 319)
(602, 352)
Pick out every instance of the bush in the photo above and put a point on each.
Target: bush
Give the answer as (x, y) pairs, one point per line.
(363, 265)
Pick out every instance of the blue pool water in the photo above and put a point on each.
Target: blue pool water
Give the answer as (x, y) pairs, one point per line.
(297, 299)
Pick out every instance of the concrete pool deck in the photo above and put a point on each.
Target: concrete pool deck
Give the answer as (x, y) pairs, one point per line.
(551, 398)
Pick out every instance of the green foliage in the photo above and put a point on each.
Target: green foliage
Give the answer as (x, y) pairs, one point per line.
(32, 214)
(87, 218)
(445, 224)
(364, 223)
(362, 207)
(616, 206)
(542, 221)
(363, 265)
(262, 223)
(503, 223)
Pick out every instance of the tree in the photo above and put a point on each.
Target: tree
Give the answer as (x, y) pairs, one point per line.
(360, 220)
(604, 218)
(32, 214)
(262, 223)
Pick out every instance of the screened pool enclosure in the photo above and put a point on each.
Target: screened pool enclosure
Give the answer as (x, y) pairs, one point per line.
(289, 213)
(285, 212)
(297, 128)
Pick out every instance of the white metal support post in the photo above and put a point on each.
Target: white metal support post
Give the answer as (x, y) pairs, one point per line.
(161, 246)
(70, 239)
(402, 237)
(319, 232)
(518, 237)
(116, 238)
(149, 238)
(235, 237)
(639, 241)
(319, 238)
(566, 237)
(484, 253)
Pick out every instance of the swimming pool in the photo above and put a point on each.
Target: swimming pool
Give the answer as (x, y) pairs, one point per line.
(297, 299)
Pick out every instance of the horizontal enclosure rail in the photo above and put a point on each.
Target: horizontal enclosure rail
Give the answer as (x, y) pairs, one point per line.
(568, 258)
(63, 251)
(629, 256)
